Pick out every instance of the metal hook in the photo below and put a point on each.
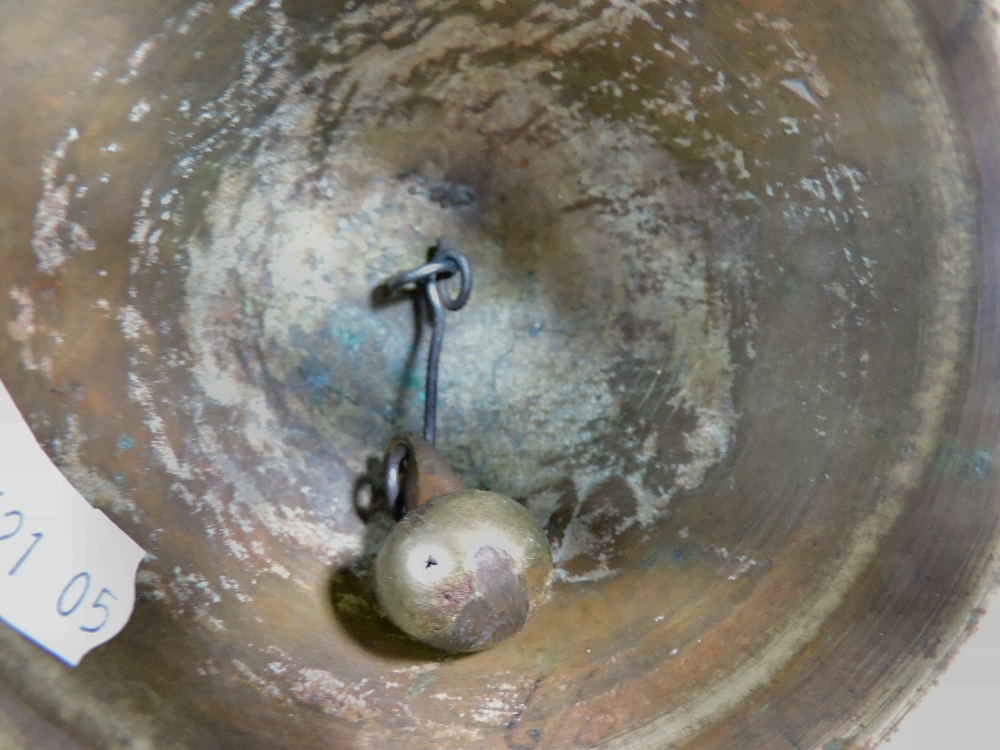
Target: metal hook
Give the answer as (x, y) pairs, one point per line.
(432, 279)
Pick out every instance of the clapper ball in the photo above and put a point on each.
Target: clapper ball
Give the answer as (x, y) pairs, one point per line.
(464, 571)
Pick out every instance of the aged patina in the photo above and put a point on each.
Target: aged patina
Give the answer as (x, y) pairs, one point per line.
(734, 346)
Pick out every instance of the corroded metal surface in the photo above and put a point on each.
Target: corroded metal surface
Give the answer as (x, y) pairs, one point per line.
(425, 475)
(464, 571)
(733, 344)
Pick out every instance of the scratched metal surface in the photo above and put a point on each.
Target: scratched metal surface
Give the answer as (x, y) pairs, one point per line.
(732, 342)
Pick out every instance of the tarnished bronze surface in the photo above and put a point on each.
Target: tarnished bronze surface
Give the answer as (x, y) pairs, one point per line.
(464, 571)
(734, 344)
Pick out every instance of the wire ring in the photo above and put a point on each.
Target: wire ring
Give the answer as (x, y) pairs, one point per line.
(445, 263)
(461, 265)
(436, 269)
(395, 466)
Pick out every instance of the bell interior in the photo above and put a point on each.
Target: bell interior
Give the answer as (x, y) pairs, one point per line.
(729, 340)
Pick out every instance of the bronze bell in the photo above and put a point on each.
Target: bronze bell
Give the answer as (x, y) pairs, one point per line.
(734, 349)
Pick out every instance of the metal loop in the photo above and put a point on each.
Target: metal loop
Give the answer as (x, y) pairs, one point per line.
(436, 269)
(464, 271)
(395, 467)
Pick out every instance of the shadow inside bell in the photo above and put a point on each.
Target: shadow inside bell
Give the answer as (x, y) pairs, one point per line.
(353, 600)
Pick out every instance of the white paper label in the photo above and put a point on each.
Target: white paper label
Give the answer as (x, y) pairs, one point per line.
(67, 573)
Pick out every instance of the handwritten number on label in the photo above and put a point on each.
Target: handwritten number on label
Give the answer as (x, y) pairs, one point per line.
(67, 604)
(61, 607)
(75, 592)
(67, 572)
(38, 537)
(20, 523)
(98, 604)
(17, 530)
